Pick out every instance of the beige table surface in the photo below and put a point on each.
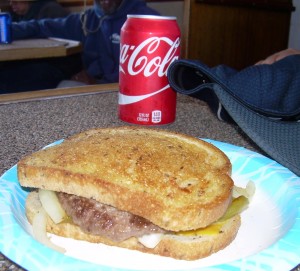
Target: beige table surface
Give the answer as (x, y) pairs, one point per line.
(38, 48)
(30, 125)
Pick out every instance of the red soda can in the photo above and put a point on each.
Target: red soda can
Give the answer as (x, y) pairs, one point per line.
(149, 44)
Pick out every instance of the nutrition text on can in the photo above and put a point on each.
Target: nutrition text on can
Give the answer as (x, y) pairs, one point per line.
(149, 44)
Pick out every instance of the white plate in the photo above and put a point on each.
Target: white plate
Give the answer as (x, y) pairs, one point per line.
(269, 237)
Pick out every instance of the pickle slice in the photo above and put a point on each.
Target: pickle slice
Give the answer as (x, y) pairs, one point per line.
(237, 206)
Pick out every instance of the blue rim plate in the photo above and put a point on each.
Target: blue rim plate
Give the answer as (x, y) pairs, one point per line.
(269, 237)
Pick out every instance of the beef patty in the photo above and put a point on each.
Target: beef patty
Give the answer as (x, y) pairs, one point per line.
(100, 219)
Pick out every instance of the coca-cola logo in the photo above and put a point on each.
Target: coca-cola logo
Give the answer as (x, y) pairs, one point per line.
(147, 59)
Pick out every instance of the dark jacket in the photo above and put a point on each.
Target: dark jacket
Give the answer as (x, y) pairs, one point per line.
(99, 34)
(41, 9)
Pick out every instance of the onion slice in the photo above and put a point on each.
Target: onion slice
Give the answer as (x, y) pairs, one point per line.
(52, 205)
(247, 192)
(39, 231)
(150, 240)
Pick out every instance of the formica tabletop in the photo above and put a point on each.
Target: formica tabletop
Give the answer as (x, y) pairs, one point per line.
(30, 125)
(38, 48)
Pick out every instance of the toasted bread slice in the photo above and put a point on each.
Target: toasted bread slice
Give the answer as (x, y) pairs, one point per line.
(183, 247)
(175, 181)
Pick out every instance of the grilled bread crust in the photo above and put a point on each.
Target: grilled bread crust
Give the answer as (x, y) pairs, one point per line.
(175, 246)
(175, 181)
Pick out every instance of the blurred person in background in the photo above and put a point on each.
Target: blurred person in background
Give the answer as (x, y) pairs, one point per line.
(97, 28)
(25, 10)
(278, 56)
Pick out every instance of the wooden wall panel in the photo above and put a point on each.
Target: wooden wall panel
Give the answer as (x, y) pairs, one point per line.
(235, 35)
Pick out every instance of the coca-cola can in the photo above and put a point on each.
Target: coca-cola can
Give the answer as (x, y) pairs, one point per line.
(149, 44)
(5, 27)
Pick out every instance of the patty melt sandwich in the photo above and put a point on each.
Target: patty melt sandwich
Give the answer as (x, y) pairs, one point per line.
(149, 190)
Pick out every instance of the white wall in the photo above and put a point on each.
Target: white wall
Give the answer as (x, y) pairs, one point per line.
(173, 8)
(294, 39)
(170, 8)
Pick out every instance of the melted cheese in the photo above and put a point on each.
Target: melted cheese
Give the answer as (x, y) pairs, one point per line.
(236, 207)
(212, 229)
